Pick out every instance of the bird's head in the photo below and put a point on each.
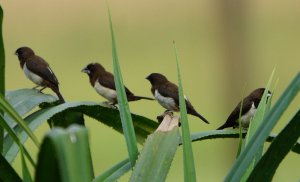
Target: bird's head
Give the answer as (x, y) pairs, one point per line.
(258, 93)
(156, 78)
(93, 68)
(24, 53)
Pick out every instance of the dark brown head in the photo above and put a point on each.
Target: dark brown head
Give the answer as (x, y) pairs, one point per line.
(156, 78)
(24, 53)
(93, 69)
(257, 94)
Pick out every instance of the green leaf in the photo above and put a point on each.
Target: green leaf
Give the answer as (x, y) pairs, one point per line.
(108, 116)
(8, 109)
(157, 155)
(282, 144)
(25, 170)
(122, 101)
(65, 156)
(223, 134)
(188, 157)
(7, 173)
(2, 72)
(261, 112)
(11, 133)
(115, 172)
(24, 100)
(241, 164)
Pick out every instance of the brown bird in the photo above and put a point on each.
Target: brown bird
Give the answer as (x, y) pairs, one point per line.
(104, 84)
(166, 93)
(250, 104)
(38, 70)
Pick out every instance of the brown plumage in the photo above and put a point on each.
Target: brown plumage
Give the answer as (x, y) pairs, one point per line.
(250, 104)
(38, 70)
(166, 93)
(104, 83)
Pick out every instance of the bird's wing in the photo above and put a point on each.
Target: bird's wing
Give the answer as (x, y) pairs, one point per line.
(169, 90)
(108, 81)
(40, 67)
(236, 112)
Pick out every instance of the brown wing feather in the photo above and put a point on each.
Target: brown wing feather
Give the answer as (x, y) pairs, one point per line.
(169, 90)
(40, 67)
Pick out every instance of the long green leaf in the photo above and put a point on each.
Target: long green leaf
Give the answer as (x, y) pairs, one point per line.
(2, 72)
(65, 156)
(241, 164)
(11, 133)
(257, 120)
(7, 173)
(8, 109)
(157, 155)
(26, 174)
(114, 173)
(188, 157)
(266, 167)
(108, 116)
(122, 101)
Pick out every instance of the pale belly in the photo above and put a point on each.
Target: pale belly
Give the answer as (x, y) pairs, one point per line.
(166, 102)
(107, 93)
(246, 118)
(32, 76)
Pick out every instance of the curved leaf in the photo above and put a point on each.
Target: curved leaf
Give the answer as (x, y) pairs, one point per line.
(280, 147)
(65, 156)
(108, 116)
(2, 72)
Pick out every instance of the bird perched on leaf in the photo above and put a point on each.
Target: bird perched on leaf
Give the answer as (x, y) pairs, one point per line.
(249, 107)
(38, 70)
(104, 84)
(166, 93)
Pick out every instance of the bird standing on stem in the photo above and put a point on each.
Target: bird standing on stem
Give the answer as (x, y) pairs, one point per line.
(166, 93)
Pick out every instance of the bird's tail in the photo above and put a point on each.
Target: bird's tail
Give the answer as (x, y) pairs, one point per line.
(134, 98)
(201, 117)
(60, 97)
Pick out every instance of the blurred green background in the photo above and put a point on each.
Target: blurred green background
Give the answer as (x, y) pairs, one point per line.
(225, 47)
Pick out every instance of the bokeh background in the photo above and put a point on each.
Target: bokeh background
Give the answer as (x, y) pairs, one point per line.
(227, 48)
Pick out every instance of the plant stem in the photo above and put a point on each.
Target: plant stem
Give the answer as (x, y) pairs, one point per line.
(2, 74)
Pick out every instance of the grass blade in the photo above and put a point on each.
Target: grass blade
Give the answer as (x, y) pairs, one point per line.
(26, 174)
(5, 126)
(114, 173)
(157, 155)
(189, 166)
(241, 164)
(266, 167)
(122, 101)
(65, 156)
(8, 109)
(7, 173)
(2, 73)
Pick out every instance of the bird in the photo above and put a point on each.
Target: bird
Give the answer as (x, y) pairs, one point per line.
(104, 84)
(249, 107)
(166, 93)
(38, 70)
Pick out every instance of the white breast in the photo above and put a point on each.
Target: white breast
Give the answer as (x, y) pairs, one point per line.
(166, 102)
(248, 116)
(32, 76)
(105, 92)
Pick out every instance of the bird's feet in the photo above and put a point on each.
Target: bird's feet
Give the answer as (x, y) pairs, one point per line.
(161, 117)
(109, 104)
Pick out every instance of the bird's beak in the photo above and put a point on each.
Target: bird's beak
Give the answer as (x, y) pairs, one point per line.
(147, 77)
(85, 70)
(16, 54)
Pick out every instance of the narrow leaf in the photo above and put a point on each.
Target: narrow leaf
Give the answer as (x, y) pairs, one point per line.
(241, 164)
(122, 101)
(25, 170)
(8, 109)
(2, 73)
(188, 157)
(114, 173)
(282, 144)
